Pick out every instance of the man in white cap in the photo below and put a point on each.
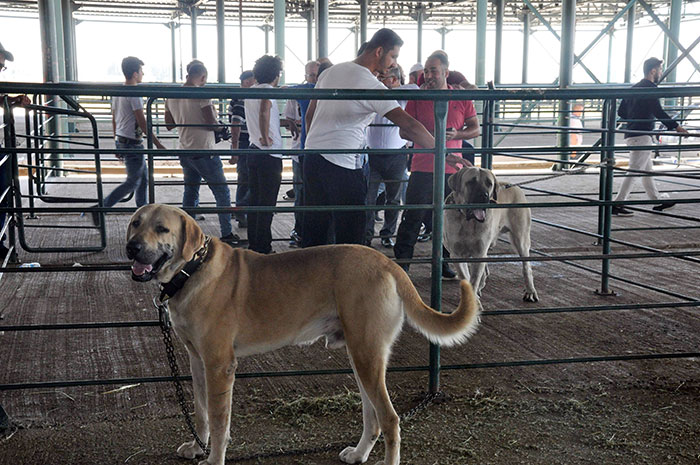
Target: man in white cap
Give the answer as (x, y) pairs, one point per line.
(6, 56)
(414, 74)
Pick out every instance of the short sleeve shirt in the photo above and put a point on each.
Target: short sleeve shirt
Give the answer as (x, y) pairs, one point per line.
(125, 121)
(189, 111)
(341, 124)
(457, 114)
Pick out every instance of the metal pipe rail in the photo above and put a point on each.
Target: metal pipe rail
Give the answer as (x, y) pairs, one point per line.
(604, 203)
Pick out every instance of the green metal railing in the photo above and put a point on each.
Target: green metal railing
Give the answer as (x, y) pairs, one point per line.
(607, 148)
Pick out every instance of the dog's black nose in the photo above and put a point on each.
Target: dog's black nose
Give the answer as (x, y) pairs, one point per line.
(133, 248)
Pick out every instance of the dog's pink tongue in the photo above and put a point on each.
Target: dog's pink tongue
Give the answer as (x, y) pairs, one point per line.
(139, 268)
(479, 214)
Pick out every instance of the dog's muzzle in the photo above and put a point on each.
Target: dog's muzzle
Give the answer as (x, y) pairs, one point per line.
(478, 214)
(147, 262)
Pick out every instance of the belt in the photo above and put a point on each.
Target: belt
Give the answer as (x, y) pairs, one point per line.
(126, 140)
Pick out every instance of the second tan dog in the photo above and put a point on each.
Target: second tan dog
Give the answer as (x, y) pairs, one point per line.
(241, 303)
(470, 232)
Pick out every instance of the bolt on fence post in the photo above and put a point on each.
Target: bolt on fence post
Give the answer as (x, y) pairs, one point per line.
(609, 164)
(151, 162)
(440, 108)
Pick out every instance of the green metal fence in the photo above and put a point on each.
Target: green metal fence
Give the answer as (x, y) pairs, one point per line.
(608, 98)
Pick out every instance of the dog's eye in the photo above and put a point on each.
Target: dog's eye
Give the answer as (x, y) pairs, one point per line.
(136, 223)
(162, 229)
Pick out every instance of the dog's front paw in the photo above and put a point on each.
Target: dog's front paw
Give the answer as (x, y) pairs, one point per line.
(531, 296)
(189, 450)
(352, 455)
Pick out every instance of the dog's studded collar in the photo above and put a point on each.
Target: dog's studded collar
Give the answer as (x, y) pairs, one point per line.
(169, 289)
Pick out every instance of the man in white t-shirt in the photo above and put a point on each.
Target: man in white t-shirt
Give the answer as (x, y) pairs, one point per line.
(338, 179)
(129, 126)
(264, 169)
(201, 115)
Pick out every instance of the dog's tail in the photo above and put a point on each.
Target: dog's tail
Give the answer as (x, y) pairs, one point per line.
(441, 328)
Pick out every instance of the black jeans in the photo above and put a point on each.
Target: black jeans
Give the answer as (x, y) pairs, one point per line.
(265, 178)
(420, 191)
(328, 184)
(243, 186)
(389, 168)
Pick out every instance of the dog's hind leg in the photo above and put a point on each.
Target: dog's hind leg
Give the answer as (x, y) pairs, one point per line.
(191, 449)
(220, 371)
(370, 362)
(370, 428)
(521, 244)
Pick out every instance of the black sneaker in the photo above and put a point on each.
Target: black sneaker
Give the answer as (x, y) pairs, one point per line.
(289, 195)
(663, 206)
(447, 272)
(621, 211)
(295, 239)
(233, 240)
(242, 223)
(388, 242)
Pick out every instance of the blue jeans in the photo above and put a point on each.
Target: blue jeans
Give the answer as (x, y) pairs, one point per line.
(136, 177)
(196, 168)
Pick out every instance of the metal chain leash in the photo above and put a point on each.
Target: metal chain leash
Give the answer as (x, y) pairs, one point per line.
(165, 326)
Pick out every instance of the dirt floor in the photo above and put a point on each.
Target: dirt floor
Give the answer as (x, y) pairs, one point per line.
(629, 412)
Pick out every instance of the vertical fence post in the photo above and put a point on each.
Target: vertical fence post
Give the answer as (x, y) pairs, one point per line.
(486, 127)
(609, 163)
(151, 161)
(438, 206)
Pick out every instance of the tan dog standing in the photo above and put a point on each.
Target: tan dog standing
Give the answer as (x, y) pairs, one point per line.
(470, 232)
(240, 303)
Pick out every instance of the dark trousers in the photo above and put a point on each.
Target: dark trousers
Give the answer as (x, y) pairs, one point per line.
(265, 177)
(5, 181)
(243, 187)
(328, 184)
(389, 168)
(420, 191)
(297, 179)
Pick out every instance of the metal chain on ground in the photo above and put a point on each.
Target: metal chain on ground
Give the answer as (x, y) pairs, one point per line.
(164, 318)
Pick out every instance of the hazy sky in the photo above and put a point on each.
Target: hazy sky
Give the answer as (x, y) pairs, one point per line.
(102, 45)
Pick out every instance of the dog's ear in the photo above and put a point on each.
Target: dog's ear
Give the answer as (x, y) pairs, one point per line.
(191, 237)
(494, 193)
(455, 181)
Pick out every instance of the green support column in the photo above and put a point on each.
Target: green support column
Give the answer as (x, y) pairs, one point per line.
(49, 46)
(322, 28)
(193, 28)
(279, 12)
(69, 40)
(675, 27)
(266, 28)
(566, 66)
(481, 20)
(443, 33)
(630, 42)
(220, 41)
(173, 51)
(363, 20)
(611, 37)
(309, 15)
(500, 9)
(526, 43)
(419, 19)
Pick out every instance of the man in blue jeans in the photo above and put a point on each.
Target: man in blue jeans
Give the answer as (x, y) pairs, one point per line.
(129, 126)
(197, 121)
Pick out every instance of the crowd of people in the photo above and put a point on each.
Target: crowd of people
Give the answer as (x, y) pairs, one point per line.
(326, 179)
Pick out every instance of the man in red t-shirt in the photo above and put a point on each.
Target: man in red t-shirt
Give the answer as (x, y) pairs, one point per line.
(462, 124)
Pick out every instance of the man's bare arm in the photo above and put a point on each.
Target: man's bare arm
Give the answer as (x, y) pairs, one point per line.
(209, 115)
(141, 121)
(169, 120)
(310, 114)
(264, 121)
(411, 128)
